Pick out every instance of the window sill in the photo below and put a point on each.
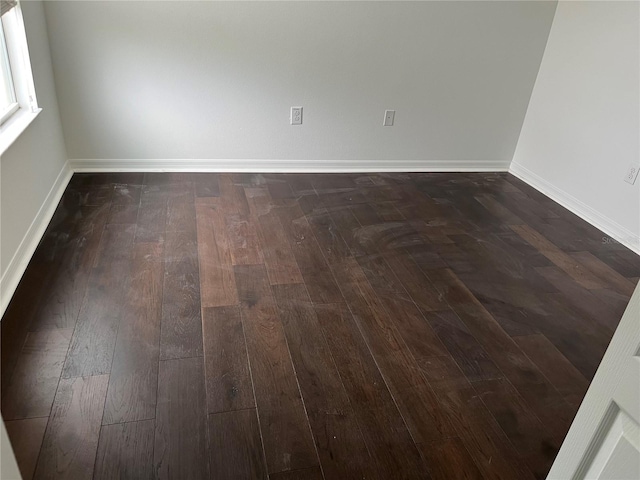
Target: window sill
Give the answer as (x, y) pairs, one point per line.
(13, 128)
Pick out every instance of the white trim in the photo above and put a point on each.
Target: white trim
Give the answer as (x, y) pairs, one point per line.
(285, 166)
(588, 214)
(18, 264)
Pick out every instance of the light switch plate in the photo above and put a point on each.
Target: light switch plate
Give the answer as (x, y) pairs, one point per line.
(389, 116)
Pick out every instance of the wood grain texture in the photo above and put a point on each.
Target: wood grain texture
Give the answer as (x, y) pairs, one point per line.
(574, 269)
(449, 460)
(504, 352)
(26, 439)
(94, 337)
(384, 431)
(482, 436)
(243, 239)
(339, 442)
(181, 325)
(134, 372)
(235, 446)
(571, 384)
(413, 395)
(463, 347)
(283, 422)
(605, 273)
(180, 449)
(125, 450)
(228, 379)
(214, 252)
(304, 474)
(259, 325)
(72, 255)
(36, 376)
(279, 260)
(207, 185)
(151, 224)
(315, 271)
(71, 439)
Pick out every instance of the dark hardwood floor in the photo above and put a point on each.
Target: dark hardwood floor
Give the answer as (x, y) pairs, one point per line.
(358, 326)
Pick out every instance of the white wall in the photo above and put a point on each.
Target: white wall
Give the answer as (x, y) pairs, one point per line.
(215, 80)
(581, 131)
(30, 167)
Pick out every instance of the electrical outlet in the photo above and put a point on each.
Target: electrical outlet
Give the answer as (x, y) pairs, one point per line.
(389, 116)
(632, 174)
(296, 115)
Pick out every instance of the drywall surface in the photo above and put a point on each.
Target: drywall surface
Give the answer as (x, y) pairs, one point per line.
(581, 131)
(30, 167)
(216, 80)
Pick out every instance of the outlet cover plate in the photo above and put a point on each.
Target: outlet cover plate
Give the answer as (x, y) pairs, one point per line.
(632, 174)
(296, 115)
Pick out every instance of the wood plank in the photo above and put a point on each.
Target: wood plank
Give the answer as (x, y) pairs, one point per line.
(280, 189)
(339, 442)
(279, 260)
(315, 271)
(573, 268)
(416, 332)
(181, 214)
(126, 194)
(483, 438)
(304, 474)
(243, 239)
(329, 238)
(18, 316)
(597, 314)
(228, 380)
(35, 379)
(525, 431)
(71, 439)
(26, 439)
(217, 283)
(94, 337)
(463, 347)
(207, 185)
(571, 384)
(133, 382)
(235, 446)
(498, 210)
(605, 273)
(181, 325)
(181, 433)
(151, 224)
(415, 282)
(127, 213)
(539, 394)
(72, 259)
(232, 197)
(285, 428)
(125, 451)
(413, 395)
(388, 440)
(449, 460)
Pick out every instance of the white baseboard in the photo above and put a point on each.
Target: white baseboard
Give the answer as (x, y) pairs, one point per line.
(612, 229)
(18, 264)
(285, 166)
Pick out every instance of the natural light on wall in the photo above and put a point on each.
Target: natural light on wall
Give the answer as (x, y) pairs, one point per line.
(18, 104)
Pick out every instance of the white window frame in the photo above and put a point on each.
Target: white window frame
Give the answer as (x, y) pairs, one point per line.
(18, 117)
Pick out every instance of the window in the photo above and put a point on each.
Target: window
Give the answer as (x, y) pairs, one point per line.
(18, 105)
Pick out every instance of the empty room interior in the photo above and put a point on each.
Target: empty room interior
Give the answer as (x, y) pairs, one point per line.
(290, 240)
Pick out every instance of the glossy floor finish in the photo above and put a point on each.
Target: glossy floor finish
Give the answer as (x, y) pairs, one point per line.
(306, 326)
